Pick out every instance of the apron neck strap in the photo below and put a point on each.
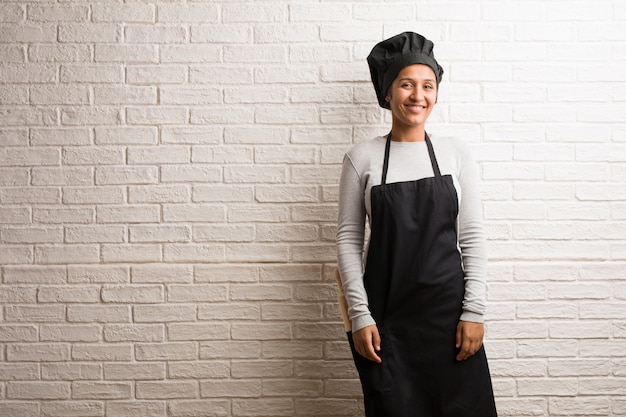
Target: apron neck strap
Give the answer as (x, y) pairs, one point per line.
(433, 159)
(431, 154)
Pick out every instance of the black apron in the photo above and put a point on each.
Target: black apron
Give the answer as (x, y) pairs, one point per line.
(415, 287)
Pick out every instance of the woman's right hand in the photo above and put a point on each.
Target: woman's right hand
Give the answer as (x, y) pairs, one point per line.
(367, 342)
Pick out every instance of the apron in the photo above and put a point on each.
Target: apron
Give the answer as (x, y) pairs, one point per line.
(415, 287)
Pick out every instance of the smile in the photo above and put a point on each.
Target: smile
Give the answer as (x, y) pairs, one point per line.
(415, 108)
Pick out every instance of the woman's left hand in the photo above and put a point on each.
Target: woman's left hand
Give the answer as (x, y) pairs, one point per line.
(469, 338)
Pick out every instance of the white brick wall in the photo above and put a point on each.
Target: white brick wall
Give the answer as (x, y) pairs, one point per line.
(168, 191)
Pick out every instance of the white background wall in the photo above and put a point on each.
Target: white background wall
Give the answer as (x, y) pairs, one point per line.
(168, 191)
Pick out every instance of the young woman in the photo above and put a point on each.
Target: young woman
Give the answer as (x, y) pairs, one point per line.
(416, 289)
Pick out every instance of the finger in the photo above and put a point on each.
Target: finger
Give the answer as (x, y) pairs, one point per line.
(459, 335)
(376, 339)
(465, 351)
(371, 354)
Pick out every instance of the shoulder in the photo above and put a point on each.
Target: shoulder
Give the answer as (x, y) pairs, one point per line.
(451, 147)
(367, 147)
(453, 154)
(362, 152)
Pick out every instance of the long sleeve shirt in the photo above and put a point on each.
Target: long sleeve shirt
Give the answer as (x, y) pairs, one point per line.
(362, 169)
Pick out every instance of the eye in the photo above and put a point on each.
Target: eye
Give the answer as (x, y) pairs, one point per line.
(429, 86)
(406, 85)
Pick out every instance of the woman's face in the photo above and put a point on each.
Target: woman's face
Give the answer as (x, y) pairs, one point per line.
(412, 95)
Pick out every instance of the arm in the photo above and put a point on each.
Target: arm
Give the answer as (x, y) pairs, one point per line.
(350, 237)
(472, 241)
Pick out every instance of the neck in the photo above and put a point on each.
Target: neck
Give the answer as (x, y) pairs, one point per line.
(412, 134)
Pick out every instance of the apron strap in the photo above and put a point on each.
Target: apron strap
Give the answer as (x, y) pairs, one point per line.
(383, 180)
(433, 159)
(431, 154)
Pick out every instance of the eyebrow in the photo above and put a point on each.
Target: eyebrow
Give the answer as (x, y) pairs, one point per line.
(412, 79)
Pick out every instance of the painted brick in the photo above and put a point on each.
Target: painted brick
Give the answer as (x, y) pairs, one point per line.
(128, 214)
(26, 32)
(128, 136)
(38, 390)
(140, 253)
(126, 53)
(148, 74)
(184, 173)
(155, 34)
(123, 13)
(27, 274)
(174, 213)
(93, 195)
(134, 407)
(33, 352)
(125, 95)
(126, 175)
(97, 274)
(16, 254)
(193, 252)
(12, 53)
(232, 311)
(182, 408)
(19, 372)
(61, 176)
(14, 95)
(219, 75)
(32, 235)
(159, 273)
(59, 137)
(63, 215)
(89, 32)
(101, 390)
(221, 33)
(13, 13)
(29, 116)
(90, 116)
(190, 134)
(226, 273)
(192, 96)
(154, 115)
(64, 294)
(30, 157)
(61, 254)
(158, 194)
(13, 137)
(31, 73)
(281, 75)
(98, 314)
(196, 293)
(161, 233)
(73, 408)
(18, 215)
(224, 154)
(141, 371)
(144, 294)
(222, 194)
(221, 115)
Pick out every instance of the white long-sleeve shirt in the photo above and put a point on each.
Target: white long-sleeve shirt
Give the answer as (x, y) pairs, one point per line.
(362, 169)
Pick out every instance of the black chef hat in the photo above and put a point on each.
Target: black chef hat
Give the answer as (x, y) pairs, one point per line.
(391, 55)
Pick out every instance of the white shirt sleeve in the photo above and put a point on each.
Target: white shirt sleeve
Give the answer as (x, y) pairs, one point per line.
(350, 241)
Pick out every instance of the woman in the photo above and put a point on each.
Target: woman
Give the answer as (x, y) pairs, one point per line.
(417, 307)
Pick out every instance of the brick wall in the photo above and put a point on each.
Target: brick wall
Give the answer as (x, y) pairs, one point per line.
(168, 191)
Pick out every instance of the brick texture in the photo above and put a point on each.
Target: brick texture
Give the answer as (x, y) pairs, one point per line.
(168, 192)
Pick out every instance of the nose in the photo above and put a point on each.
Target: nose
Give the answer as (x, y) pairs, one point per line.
(416, 94)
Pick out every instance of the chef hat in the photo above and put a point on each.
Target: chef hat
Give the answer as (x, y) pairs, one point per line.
(391, 55)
